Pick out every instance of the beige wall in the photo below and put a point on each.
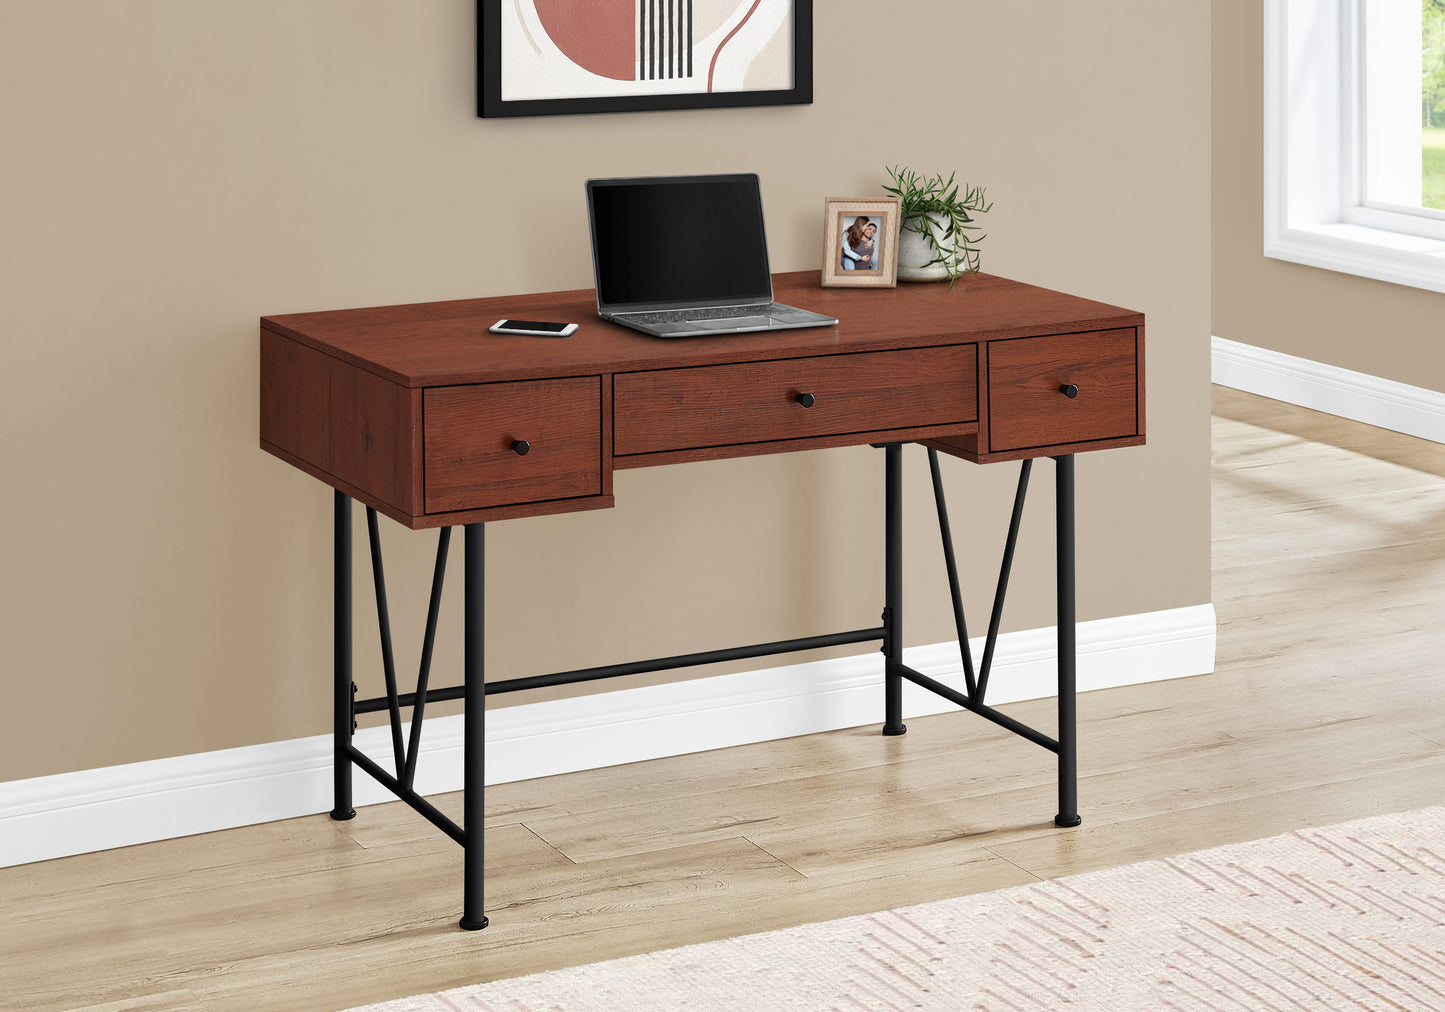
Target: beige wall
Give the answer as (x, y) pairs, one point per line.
(171, 170)
(1355, 323)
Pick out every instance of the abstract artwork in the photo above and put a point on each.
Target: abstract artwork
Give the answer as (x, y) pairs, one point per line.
(538, 57)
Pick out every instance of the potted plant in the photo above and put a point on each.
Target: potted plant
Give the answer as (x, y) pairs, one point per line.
(936, 239)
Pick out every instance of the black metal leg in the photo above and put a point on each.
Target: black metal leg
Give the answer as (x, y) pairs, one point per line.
(474, 724)
(1068, 754)
(893, 590)
(341, 656)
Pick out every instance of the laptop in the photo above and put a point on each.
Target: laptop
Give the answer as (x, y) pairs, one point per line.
(685, 256)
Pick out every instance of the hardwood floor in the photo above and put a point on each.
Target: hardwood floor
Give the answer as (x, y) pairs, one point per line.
(1329, 578)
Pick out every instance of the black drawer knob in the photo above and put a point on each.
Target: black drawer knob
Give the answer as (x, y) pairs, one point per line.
(520, 447)
(806, 400)
(1069, 390)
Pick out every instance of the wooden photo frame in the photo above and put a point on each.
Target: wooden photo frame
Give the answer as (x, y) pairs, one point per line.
(860, 242)
(544, 57)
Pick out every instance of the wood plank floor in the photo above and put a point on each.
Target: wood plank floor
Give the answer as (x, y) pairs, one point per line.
(1329, 579)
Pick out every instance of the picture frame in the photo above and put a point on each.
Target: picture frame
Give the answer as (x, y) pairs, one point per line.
(543, 57)
(871, 228)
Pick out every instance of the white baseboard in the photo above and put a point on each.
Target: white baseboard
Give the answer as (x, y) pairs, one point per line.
(90, 810)
(1399, 407)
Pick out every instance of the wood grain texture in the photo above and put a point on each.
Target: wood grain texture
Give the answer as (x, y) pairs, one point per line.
(606, 441)
(342, 392)
(907, 435)
(471, 433)
(345, 422)
(446, 343)
(430, 521)
(679, 409)
(966, 446)
(1024, 380)
(1141, 416)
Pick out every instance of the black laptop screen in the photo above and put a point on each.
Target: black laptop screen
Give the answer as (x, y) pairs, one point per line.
(682, 239)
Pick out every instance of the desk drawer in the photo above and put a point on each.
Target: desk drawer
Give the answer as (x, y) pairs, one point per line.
(1026, 407)
(753, 402)
(470, 432)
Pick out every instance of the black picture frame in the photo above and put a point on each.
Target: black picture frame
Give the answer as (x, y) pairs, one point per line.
(490, 103)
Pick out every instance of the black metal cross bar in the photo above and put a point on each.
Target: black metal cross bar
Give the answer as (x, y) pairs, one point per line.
(634, 668)
(406, 794)
(970, 703)
(688, 660)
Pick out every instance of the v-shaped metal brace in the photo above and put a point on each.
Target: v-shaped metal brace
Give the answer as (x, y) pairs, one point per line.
(977, 686)
(406, 755)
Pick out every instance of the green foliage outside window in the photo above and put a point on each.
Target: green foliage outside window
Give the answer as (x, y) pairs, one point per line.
(1432, 64)
(1432, 104)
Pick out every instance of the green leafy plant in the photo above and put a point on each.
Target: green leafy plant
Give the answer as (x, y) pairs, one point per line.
(952, 239)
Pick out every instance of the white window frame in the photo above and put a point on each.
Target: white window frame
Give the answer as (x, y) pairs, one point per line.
(1315, 211)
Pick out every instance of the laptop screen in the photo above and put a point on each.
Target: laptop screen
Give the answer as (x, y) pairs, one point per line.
(688, 240)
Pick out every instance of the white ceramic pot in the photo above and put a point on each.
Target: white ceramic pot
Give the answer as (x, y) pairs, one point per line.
(914, 251)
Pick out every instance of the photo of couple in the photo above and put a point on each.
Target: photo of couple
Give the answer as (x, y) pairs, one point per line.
(859, 244)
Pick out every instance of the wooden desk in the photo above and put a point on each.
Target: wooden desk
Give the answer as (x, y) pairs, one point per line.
(425, 417)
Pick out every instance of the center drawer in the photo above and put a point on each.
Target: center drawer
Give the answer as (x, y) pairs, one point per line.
(752, 402)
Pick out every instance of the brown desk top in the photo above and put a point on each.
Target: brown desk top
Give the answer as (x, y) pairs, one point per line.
(444, 343)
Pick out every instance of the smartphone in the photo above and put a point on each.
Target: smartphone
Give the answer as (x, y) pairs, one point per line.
(533, 328)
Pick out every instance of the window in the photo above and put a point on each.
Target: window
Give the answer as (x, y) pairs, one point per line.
(1432, 103)
(1355, 137)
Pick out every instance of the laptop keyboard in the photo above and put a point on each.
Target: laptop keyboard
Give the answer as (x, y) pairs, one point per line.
(713, 313)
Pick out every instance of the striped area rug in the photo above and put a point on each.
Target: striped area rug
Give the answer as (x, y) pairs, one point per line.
(1347, 917)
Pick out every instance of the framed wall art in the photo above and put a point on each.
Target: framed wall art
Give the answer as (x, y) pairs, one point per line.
(860, 242)
(543, 57)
